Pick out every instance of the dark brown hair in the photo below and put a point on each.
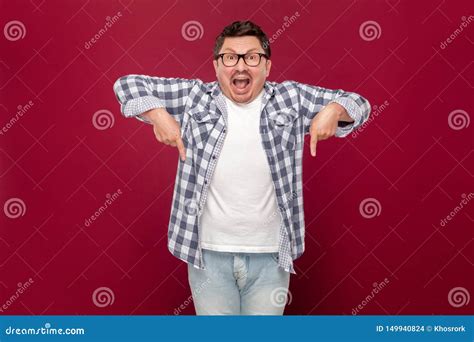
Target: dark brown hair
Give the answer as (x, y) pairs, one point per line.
(240, 29)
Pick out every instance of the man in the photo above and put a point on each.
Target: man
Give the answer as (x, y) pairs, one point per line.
(237, 213)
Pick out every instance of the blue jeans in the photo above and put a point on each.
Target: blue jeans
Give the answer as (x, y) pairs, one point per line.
(239, 284)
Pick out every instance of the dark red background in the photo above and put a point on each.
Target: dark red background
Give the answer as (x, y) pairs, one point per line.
(408, 158)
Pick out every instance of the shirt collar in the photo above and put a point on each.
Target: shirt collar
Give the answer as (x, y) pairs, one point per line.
(214, 89)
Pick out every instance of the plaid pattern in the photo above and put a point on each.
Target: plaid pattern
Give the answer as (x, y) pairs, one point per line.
(200, 109)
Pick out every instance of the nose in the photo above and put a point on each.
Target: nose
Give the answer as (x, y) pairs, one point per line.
(241, 66)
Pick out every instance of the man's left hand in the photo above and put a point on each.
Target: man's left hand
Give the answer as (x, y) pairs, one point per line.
(324, 124)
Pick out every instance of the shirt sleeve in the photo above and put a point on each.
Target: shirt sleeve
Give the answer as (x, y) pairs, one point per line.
(313, 99)
(140, 93)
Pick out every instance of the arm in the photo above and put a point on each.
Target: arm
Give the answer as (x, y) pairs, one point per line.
(351, 109)
(138, 94)
(158, 101)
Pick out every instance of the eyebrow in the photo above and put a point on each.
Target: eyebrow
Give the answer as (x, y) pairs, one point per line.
(232, 50)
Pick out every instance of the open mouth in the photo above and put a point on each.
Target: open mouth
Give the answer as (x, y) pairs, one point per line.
(241, 84)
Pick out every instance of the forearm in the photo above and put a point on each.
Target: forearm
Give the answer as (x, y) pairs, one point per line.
(139, 94)
(356, 112)
(340, 112)
(352, 109)
(356, 107)
(154, 115)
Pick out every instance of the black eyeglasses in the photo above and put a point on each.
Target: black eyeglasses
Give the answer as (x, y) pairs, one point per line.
(232, 59)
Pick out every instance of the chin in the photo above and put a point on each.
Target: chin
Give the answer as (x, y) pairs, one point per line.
(242, 98)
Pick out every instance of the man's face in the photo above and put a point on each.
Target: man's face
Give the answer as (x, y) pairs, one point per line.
(242, 83)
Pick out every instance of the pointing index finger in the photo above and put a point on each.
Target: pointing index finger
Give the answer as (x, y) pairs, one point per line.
(181, 149)
(313, 143)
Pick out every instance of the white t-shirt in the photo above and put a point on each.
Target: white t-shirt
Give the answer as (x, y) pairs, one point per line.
(241, 212)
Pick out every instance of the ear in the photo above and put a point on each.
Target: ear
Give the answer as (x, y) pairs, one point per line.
(268, 67)
(214, 62)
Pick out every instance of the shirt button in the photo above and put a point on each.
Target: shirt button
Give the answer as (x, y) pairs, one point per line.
(214, 156)
(205, 182)
(224, 130)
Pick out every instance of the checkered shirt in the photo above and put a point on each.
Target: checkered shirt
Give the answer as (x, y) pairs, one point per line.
(200, 109)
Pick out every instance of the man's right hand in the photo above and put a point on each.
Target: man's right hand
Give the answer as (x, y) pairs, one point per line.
(166, 129)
